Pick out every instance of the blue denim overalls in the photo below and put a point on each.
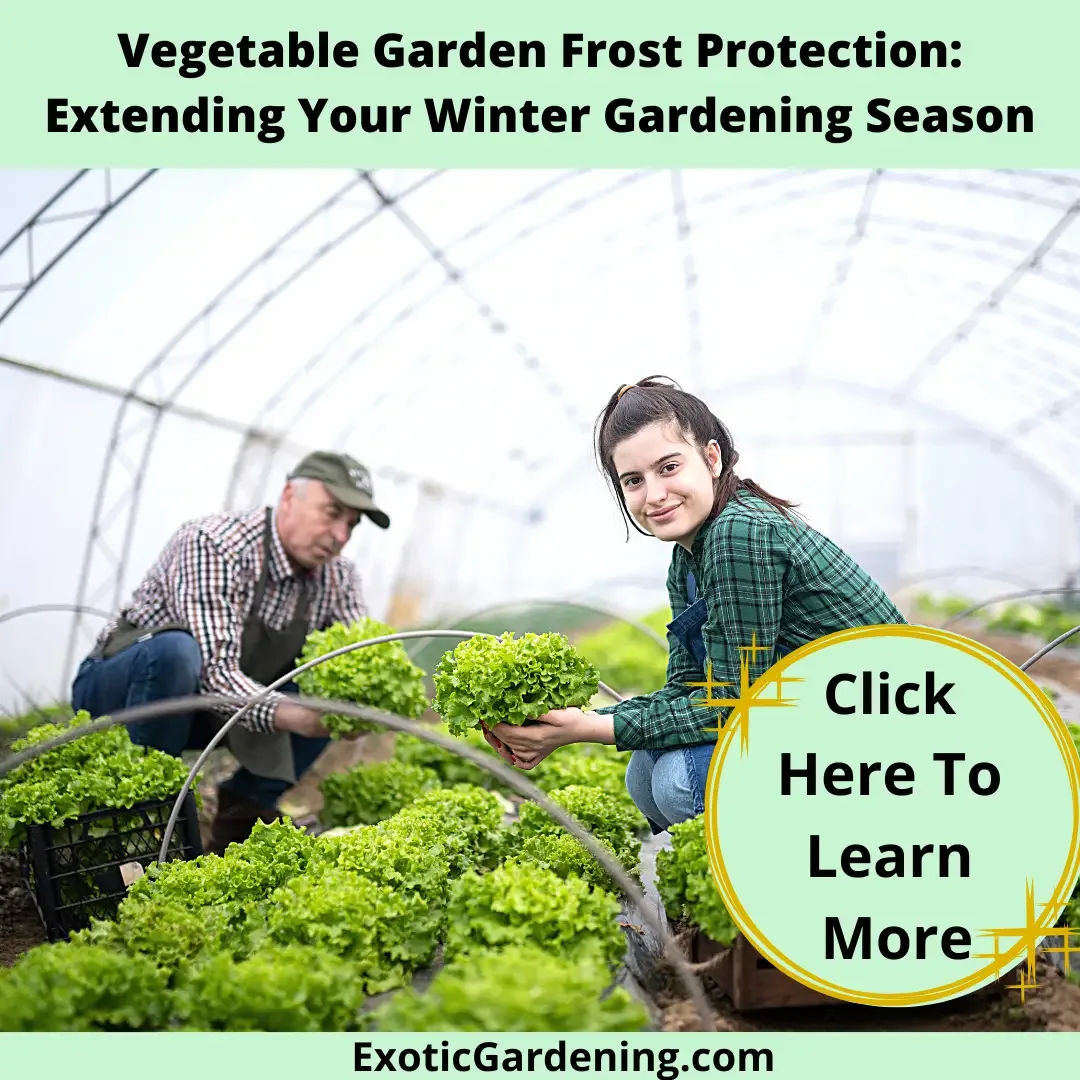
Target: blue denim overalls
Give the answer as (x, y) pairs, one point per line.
(687, 628)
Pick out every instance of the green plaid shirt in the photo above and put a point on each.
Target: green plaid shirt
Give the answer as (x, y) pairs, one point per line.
(760, 573)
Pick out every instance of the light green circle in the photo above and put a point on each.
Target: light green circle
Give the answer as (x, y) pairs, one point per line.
(1025, 833)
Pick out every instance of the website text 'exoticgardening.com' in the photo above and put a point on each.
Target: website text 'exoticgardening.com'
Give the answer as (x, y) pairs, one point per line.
(666, 1063)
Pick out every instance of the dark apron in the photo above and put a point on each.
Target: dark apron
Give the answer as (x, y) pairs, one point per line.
(687, 626)
(265, 655)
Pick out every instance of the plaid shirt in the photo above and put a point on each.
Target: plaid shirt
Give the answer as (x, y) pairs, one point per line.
(206, 577)
(760, 573)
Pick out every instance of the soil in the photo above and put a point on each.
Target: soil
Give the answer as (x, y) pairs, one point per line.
(20, 926)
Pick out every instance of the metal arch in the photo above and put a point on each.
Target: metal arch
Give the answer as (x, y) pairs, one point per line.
(855, 181)
(908, 581)
(1049, 647)
(978, 182)
(753, 187)
(961, 425)
(840, 273)
(584, 605)
(690, 277)
(262, 418)
(456, 276)
(66, 609)
(126, 428)
(1059, 178)
(156, 419)
(990, 302)
(46, 216)
(1001, 598)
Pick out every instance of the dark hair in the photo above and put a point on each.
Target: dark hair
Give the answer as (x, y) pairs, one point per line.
(659, 399)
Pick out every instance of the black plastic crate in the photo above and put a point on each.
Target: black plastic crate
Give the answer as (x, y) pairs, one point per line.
(73, 870)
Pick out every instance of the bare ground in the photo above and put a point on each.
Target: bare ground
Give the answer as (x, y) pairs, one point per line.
(20, 927)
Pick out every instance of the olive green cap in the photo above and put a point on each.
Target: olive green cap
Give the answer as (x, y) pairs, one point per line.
(346, 479)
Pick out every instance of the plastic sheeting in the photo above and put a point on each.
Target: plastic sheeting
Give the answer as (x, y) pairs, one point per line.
(896, 351)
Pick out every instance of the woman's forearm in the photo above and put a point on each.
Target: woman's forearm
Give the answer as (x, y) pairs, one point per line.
(595, 727)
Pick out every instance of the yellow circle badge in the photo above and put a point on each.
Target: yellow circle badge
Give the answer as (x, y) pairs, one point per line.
(893, 815)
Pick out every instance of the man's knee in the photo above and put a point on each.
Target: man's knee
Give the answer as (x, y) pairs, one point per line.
(177, 660)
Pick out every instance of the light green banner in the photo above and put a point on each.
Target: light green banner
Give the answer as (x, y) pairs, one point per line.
(556, 84)
(649, 1057)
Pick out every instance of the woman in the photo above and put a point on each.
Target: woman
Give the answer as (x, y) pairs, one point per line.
(743, 567)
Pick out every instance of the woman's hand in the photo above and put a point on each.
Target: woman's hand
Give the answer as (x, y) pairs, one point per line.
(496, 745)
(531, 743)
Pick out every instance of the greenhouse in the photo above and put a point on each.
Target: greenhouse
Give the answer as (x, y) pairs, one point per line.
(897, 353)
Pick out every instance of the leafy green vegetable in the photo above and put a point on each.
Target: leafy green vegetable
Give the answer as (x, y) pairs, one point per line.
(385, 933)
(464, 821)
(627, 659)
(1046, 619)
(390, 856)
(475, 993)
(171, 935)
(272, 855)
(381, 676)
(570, 766)
(943, 607)
(567, 856)
(366, 794)
(521, 903)
(101, 771)
(604, 815)
(291, 988)
(686, 886)
(77, 987)
(491, 680)
(15, 727)
(447, 766)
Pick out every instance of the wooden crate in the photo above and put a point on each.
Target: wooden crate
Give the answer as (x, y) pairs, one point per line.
(749, 980)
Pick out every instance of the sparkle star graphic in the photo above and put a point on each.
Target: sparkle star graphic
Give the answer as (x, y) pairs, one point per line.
(743, 699)
(1029, 935)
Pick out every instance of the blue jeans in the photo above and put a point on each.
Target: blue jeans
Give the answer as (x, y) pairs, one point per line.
(169, 665)
(668, 786)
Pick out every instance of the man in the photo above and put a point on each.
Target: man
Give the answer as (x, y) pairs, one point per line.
(226, 610)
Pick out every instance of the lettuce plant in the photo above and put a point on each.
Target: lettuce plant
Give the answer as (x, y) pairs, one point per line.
(381, 676)
(490, 680)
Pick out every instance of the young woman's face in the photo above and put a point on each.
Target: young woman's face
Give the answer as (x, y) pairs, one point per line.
(667, 485)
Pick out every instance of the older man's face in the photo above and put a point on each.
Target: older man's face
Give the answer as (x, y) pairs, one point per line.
(313, 525)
